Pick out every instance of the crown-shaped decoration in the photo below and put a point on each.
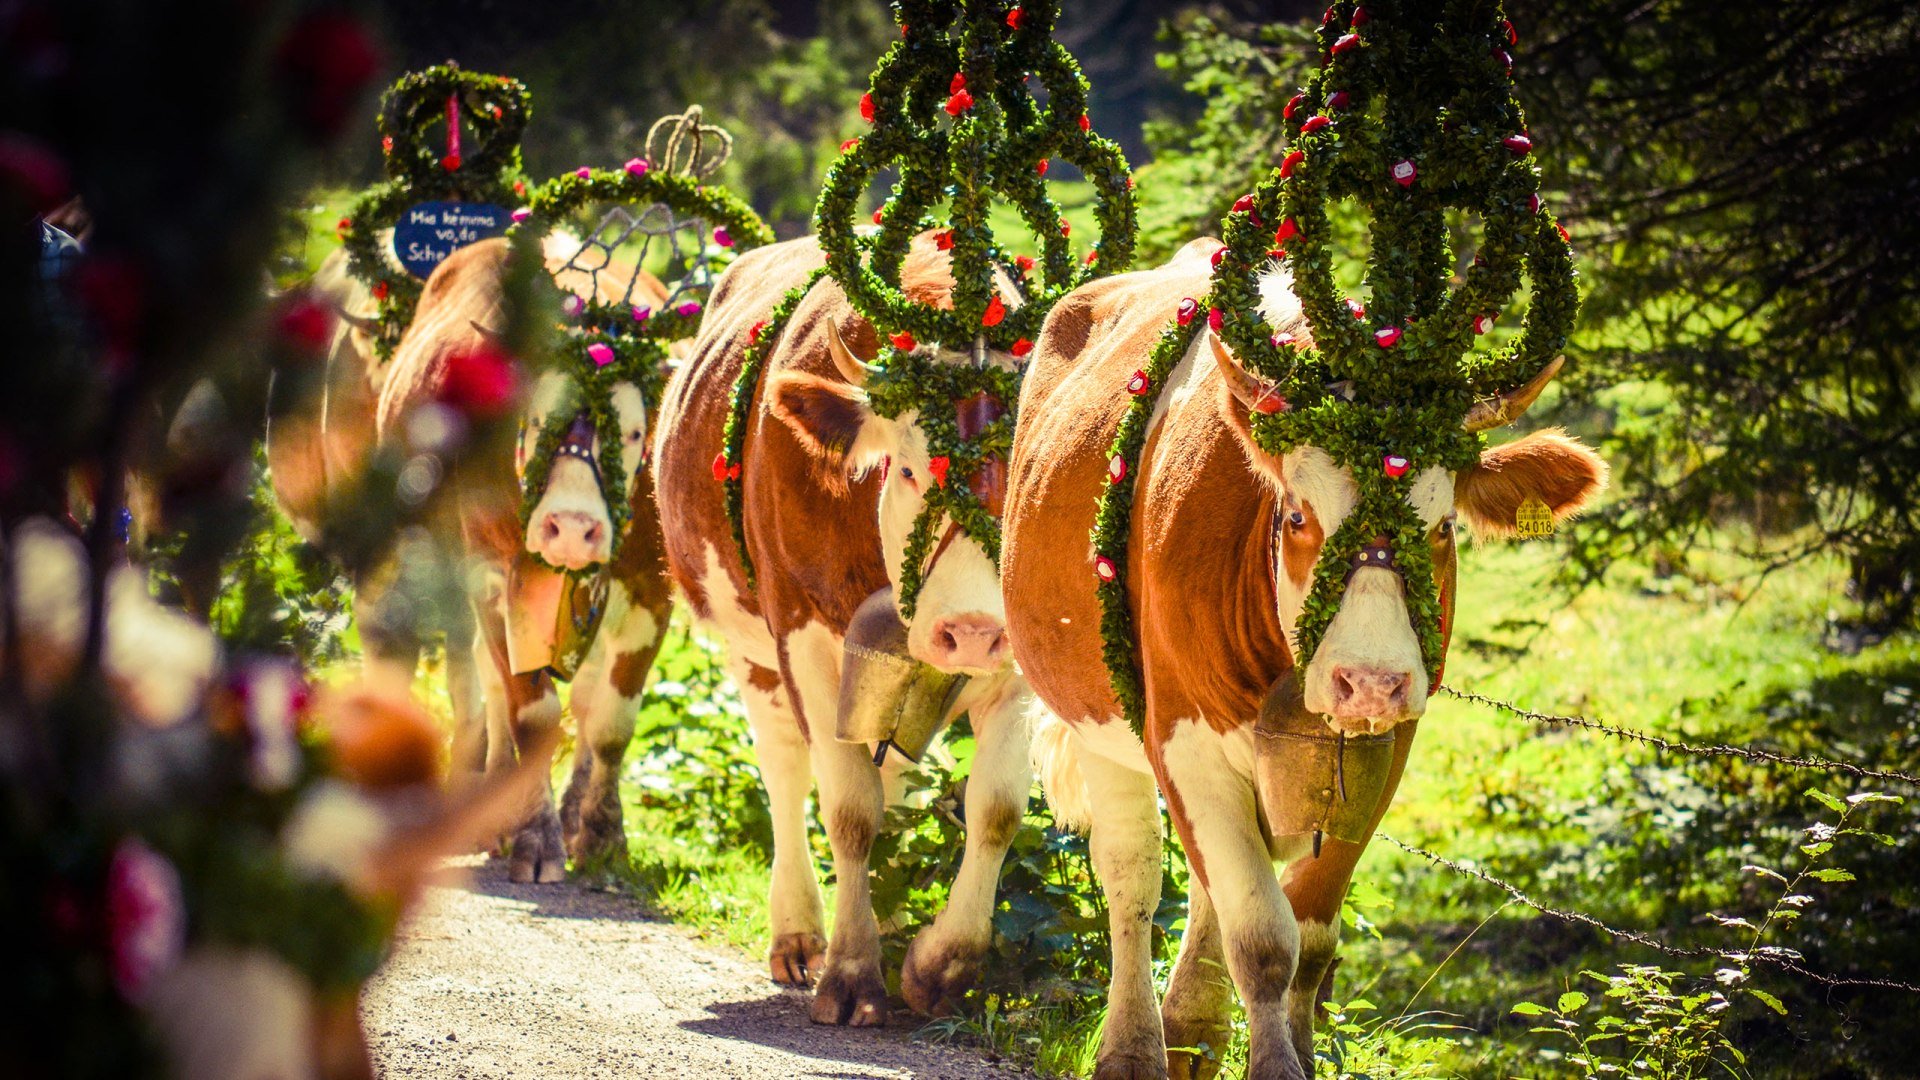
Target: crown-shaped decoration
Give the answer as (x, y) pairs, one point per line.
(951, 109)
(613, 317)
(1411, 114)
(446, 134)
(681, 143)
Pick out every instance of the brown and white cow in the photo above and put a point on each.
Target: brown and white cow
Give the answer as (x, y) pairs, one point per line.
(831, 492)
(460, 309)
(1224, 540)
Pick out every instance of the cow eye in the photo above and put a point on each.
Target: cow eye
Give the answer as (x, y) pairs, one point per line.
(1445, 528)
(1297, 520)
(906, 473)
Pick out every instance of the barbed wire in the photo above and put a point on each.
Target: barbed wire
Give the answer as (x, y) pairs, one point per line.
(1791, 761)
(1770, 955)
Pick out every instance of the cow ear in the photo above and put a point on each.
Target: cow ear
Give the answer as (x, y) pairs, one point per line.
(827, 416)
(1550, 466)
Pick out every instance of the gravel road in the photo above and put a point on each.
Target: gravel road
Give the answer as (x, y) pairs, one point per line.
(492, 979)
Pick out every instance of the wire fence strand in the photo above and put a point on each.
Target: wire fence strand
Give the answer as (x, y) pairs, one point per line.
(1771, 956)
(1706, 750)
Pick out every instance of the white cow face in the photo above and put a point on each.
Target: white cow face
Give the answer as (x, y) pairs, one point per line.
(571, 526)
(959, 620)
(1367, 674)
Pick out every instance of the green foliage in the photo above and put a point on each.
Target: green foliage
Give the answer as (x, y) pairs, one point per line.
(420, 168)
(278, 593)
(972, 61)
(1673, 1026)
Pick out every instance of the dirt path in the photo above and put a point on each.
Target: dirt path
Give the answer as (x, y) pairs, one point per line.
(494, 980)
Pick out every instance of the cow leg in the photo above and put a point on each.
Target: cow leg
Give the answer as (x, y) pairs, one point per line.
(1198, 1008)
(468, 758)
(850, 990)
(796, 916)
(1315, 889)
(606, 700)
(943, 962)
(1126, 844)
(532, 710)
(1212, 804)
(389, 634)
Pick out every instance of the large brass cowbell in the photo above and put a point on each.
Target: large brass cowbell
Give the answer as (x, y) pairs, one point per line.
(1311, 779)
(887, 698)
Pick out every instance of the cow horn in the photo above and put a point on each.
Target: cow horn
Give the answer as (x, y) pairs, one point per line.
(1248, 389)
(1510, 405)
(851, 367)
(489, 334)
(363, 323)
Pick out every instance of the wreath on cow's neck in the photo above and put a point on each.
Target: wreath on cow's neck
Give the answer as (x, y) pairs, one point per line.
(445, 133)
(949, 108)
(612, 336)
(1410, 115)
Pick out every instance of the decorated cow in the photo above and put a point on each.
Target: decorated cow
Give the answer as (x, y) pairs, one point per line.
(831, 464)
(1264, 607)
(563, 528)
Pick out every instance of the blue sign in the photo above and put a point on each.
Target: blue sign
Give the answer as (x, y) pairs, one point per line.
(428, 233)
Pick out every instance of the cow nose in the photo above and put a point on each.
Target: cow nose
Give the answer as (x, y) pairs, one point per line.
(978, 642)
(1370, 693)
(571, 539)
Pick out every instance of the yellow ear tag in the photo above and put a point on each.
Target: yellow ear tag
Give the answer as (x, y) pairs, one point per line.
(1533, 520)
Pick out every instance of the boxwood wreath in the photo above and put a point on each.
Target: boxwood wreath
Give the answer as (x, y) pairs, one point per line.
(1411, 113)
(949, 108)
(609, 342)
(427, 158)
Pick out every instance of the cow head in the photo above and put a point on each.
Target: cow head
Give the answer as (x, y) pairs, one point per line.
(959, 621)
(1367, 673)
(571, 526)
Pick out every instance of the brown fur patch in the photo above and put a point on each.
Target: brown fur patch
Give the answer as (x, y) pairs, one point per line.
(1549, 465)
(852, 831)
(629, 673)
(999, 824)
(1300, 545)
(1263, 968)
(765, 680)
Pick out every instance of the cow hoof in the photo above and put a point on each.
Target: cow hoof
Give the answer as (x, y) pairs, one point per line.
(851, 1001)
(538, 855)
(795, 957)
(597, 838)
(936, 975)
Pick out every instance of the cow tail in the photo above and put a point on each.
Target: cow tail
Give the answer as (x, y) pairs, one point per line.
(1056, 761)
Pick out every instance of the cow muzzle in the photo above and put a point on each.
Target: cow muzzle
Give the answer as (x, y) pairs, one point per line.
(570, 528)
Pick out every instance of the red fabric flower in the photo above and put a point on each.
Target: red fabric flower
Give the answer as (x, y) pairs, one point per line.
(307, 324)
(938, 466)
(943, 239)
(903, 340)
(1085, 124)
(1040, 166)
(1316, 122)
(481, 383)
(959, 103)
(1188, 308)
(866, 107)
(996, 311)
(1021, 347)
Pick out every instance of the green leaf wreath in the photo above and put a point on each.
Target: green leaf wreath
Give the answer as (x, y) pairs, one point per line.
(950, 110)
(423, 115)
(607, 342)
(1411, 113)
